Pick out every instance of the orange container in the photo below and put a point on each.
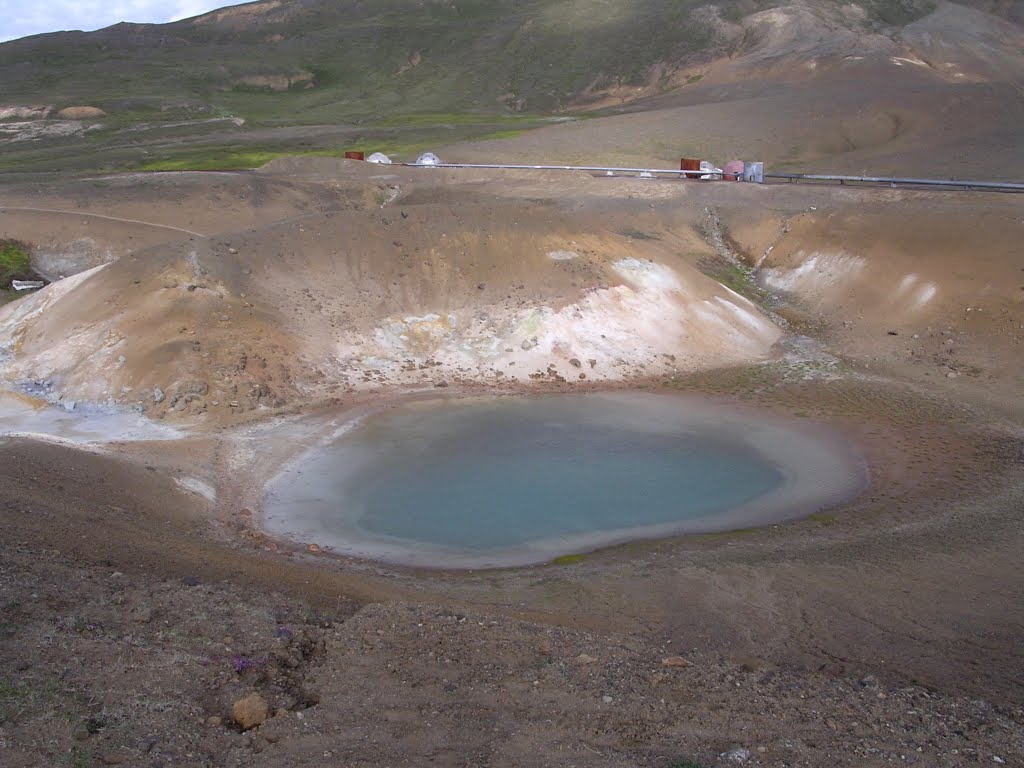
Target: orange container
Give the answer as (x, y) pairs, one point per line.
(354, 156)
(689, 164)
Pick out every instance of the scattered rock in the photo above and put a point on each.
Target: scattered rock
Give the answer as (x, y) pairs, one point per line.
(158, 395)
(314, 548)
(113, 758)
(190, 581)
(675, 661)
(575, 363)
(738, 755)
(441, 384)
(69, 405)
(585, 659)
(607, 699)
(250, 712)
(81, 733)
(195, 388)
(214, 721)
(529, 344)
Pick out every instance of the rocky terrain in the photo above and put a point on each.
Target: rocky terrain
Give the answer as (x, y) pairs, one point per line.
(199, 330)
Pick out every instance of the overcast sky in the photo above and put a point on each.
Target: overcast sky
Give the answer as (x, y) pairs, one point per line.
(19, 18)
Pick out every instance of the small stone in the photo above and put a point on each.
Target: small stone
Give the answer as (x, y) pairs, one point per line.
(607, 699)
(158, 395)
(584, 658)
(232, 251)
(250, 712)
(144, 615)
(441, 384)
(113, 758)
(675, 661)
(529, 344)
(214, 721)
(190, 581)
(314, 548)
(738, 755)
(575, 363)
(951, 375)
(833, 669)
(544, 647)
(69, 405)
(81, 733)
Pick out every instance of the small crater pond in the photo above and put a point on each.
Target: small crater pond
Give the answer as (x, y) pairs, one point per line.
(507, 481)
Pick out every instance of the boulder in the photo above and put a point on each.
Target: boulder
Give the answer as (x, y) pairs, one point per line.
(250, 712)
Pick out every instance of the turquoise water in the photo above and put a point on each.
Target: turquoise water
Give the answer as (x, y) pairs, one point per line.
(502, 481)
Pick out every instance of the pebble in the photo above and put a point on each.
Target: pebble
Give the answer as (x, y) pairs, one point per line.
(607, 699)
(585, 659)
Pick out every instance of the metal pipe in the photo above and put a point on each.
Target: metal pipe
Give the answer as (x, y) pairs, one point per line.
(588, 168)
(1004, 185)
(966, 184)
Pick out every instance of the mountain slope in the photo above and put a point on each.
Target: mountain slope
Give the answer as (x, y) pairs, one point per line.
(242, 85)
(313, 59)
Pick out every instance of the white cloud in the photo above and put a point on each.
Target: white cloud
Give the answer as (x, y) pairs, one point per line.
(19, 18)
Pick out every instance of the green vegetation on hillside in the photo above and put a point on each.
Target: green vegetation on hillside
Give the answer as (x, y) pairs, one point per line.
(363, 61)
(232, 88)
(14, 262)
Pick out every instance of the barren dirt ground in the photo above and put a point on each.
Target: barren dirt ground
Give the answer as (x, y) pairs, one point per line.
(135, 613)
